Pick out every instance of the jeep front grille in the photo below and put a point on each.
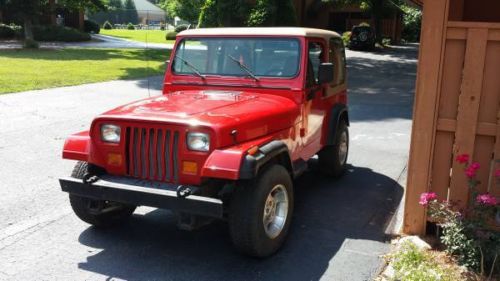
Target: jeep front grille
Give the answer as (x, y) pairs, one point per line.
(152, 153)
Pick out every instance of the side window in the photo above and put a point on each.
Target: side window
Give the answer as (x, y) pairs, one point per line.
(315, 55)
(337, 58)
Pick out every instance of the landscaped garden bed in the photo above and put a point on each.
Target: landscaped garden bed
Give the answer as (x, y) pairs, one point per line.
(466, 244)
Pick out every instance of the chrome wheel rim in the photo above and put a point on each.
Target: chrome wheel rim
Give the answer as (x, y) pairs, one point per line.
(275, 211)
(343, 148)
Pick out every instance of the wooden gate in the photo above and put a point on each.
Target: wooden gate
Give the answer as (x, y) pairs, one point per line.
(456, 108)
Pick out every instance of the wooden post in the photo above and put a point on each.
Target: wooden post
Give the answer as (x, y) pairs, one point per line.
(468, 108)
(424, 114)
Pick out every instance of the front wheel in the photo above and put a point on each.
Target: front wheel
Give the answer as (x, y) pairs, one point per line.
(97, 212)
(333, 158)
(260, 214)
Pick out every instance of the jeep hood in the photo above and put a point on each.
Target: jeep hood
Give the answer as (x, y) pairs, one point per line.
(251, 114)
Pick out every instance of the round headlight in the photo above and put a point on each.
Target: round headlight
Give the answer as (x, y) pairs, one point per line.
(198, 141)
(110, 133)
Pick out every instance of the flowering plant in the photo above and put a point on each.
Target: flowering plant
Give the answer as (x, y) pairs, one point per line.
(466, 233)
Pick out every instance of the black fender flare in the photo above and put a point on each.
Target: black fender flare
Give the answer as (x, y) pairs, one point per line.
(251, 164)
(333, 121)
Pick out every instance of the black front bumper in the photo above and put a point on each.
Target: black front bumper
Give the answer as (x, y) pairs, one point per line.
(143, 193)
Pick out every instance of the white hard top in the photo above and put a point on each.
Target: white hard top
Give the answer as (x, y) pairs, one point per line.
(256, 31)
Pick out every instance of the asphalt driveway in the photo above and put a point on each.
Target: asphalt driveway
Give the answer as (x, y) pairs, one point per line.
(339, 228)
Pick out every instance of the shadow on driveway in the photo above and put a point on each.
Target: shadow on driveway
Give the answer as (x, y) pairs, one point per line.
(327, 214)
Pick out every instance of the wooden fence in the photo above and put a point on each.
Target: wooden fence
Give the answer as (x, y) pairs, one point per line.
(456, 109)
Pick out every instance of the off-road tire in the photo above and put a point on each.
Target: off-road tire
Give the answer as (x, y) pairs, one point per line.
(80, 205)
(246, 225)
(329, 160)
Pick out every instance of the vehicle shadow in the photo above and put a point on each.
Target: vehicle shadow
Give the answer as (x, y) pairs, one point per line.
(327, 214)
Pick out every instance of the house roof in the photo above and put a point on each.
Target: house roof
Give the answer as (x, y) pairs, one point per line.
(144, 6)
(265, 31)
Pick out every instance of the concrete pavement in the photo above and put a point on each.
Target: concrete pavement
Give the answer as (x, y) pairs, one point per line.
(338, 232)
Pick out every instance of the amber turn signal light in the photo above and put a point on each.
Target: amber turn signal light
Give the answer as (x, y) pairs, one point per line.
(189, 167)
(114, 159)
(253, 150)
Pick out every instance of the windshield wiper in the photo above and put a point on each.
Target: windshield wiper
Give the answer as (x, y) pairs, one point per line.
(244, 67)
(192, 67)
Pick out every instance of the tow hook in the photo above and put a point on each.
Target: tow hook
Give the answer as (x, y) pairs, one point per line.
(89, 179)
(185, 191)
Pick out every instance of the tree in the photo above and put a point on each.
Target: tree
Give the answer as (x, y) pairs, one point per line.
(188, 10)
(116, 12)
(130, 13)
(29, 10)
(273, 13)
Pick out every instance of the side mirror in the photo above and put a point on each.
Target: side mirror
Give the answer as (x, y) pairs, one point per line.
(167, 62)
(325, 73)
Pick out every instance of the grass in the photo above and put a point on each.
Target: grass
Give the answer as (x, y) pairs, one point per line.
(413, 264)
(152, 36)
(23, 70)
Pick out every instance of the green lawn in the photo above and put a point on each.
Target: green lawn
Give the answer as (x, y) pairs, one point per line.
(151, 36)
(23, 70)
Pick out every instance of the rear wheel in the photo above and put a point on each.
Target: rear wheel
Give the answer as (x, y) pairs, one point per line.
(333, 158)
(261, 213)
(97, 212)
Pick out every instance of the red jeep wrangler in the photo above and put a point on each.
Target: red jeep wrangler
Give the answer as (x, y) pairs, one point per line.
(242, 111)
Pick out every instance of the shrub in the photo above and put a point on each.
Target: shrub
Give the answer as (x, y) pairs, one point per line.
(466, 233)
(30, 44)
(386, 41)
(346, 36)
(181, 27)
(10, 31)
(6, 32)
(59, 33)
(130, 26)
(91, 27)
(171, 35)
(263, 14)
(412, 20)
(107, 25)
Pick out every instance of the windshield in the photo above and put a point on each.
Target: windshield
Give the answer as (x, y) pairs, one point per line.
(248, 57)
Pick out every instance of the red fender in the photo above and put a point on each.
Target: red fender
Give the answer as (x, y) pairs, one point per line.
(77, 147)
(225, 163)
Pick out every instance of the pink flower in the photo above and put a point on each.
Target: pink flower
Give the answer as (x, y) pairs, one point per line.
(470, 172)
(486, 199)
(462, 158)
(426, 197)
(475, 166)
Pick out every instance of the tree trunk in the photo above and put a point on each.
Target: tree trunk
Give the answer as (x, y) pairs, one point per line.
(378, 28)
(378, 13)
(28, 29)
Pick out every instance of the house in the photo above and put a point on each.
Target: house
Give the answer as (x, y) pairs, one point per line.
(318, 14)
(149, 13)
